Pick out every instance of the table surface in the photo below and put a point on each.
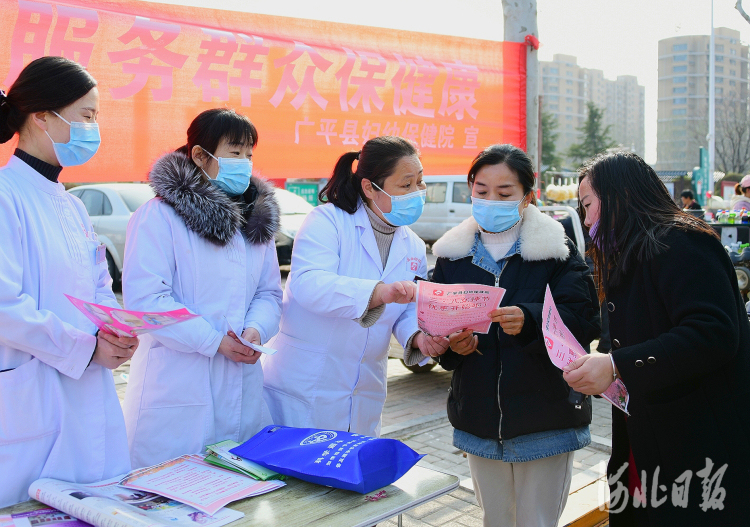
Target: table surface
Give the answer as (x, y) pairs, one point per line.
(300, 503)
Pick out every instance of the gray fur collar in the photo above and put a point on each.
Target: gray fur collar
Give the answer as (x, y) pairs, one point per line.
(208, 211)
(542, 238)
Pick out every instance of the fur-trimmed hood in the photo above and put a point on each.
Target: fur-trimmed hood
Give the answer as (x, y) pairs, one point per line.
(208, 211)
(542, 238)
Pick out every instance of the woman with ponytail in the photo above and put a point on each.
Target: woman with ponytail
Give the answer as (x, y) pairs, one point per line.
(352, 285)
(741, 198)
(59, 413)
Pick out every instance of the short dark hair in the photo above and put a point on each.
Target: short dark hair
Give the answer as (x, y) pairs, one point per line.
(377, 160)
(514, 157)
(211, 126)
(688, 194)
(44, 85)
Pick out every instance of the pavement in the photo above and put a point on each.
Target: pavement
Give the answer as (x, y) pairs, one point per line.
(415, 413)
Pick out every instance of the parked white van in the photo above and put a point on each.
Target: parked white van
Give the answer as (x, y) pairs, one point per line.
(448, 203)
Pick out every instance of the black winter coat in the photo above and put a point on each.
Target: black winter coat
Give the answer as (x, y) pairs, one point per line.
(513, 389)
(681, 341)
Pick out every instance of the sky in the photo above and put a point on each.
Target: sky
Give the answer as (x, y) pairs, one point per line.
(619, 37)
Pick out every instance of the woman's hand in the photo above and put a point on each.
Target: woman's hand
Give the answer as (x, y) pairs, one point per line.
(510, 319)
(464, 342)
(251, 335)
(401, 292)
(430, 346)
(235, 351)
(590, 375)
(112, 351)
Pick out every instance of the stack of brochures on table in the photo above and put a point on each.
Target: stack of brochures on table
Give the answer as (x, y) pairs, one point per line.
(219, 455)
(181, 492)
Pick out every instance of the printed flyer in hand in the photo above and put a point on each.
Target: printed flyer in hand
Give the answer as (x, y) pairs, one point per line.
(563, 348)
(443, 309)
(123, 323)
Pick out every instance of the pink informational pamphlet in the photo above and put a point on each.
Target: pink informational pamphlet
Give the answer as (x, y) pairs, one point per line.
(123, 323)
(443, 309)
(563, 348)
(192, 481)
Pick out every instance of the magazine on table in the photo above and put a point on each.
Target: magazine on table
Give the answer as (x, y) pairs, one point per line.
(181, 492)
(45, 517)
(107, 504)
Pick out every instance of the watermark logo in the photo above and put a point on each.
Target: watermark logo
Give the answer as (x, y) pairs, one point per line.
(652, 494)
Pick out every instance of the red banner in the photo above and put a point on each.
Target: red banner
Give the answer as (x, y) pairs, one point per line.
(313, 89)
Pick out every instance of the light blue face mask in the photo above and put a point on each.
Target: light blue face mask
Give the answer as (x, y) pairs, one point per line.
(494, 215)
(83, 144)
(405, 209)
(233, 176)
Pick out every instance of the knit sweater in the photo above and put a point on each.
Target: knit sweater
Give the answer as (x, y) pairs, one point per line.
(498, 244)
(383, 238)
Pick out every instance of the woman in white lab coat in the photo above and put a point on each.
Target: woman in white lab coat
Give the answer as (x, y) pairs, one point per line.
(351, 286)
(59, 412)
(205, 243)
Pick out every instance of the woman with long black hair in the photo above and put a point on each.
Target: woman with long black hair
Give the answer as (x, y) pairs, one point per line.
(59, 412)
(680, 343)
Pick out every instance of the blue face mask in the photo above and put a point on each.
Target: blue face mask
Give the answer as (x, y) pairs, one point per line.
(405, 209)
(83, 144)
(233, 176)
(495, 215)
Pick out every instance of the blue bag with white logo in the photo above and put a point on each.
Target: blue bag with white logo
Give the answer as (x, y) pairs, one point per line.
(337, 459)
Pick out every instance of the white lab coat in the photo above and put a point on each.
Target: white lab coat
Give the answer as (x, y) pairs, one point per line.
(182, 394)
(59, 416)
(330, 372)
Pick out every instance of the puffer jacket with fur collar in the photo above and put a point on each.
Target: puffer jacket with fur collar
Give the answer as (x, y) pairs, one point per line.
(542, 238)
(207, 210)
(512, 389)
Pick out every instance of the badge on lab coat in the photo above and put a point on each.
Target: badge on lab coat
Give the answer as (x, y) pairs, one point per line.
(101, 253)
(413, 263)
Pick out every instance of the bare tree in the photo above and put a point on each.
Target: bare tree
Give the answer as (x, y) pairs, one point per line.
(733, 137)
(732, 134)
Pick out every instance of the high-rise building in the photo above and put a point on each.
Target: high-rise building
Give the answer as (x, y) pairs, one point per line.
(683, 94)
(567, 87)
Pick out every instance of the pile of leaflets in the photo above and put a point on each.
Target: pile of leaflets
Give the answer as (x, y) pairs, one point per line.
(219, 455)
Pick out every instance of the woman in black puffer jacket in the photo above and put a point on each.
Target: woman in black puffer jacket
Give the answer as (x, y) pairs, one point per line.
(508, 403)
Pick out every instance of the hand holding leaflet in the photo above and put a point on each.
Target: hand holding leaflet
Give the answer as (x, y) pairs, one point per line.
(124, 323)
(443, 309)
(563, 349)
(255, 347)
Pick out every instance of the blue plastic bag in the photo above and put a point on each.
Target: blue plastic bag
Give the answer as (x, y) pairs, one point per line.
(337, 459)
